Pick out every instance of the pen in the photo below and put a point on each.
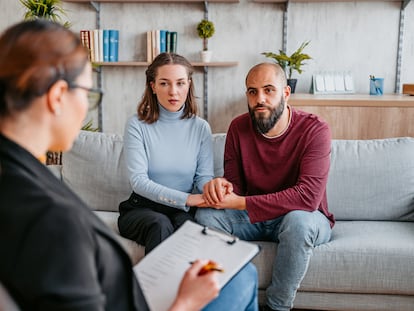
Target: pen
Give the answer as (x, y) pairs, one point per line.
(210, 266)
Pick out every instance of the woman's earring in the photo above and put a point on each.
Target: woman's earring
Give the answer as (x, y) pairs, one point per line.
(57, 111)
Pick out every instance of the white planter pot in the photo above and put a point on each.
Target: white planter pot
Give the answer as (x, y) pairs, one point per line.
(206, 56)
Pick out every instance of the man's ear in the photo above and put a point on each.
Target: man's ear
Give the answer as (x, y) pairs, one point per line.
(55, 96)
(286, 92)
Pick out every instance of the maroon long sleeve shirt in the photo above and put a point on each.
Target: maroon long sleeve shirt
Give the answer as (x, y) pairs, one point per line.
(281, 174)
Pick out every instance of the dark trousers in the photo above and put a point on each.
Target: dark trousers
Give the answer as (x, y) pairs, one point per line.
(149, 223)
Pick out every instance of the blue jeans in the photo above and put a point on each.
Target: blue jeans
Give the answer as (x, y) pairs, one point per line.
(240, 294)
(296, 233)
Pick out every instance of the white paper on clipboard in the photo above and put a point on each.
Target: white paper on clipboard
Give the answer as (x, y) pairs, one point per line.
(160, 272)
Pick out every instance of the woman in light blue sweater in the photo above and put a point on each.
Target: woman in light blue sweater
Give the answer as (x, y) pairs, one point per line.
(169, 155)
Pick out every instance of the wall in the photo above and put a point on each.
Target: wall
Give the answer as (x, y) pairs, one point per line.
(358, 36)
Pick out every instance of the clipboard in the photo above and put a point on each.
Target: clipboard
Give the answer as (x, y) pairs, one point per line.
(160, 272)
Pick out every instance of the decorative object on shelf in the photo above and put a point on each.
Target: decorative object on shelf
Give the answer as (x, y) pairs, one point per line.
(408, 89)
(205, 30)
(291, 63)
(47, 9)
(376, 85)
(332, 82)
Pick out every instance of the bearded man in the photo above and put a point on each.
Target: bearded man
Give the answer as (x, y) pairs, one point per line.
(276, 165)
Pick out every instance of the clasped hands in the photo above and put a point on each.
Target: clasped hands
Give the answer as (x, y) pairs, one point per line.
(218, 193)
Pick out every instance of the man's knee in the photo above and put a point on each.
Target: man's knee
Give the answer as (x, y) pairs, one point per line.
(299, 225)
(208, 217)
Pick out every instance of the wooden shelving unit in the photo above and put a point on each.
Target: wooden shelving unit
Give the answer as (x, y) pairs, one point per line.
(97, 6)
(145, 64)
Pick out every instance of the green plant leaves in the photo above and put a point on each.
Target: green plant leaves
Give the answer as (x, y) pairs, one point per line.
(47, 9)
(205, 29)
(293, 62)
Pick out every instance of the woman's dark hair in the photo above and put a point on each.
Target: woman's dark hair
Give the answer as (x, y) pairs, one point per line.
(148, 109)
(33, 56)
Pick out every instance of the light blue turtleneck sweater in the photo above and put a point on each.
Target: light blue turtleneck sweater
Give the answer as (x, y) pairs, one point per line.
(170, 158)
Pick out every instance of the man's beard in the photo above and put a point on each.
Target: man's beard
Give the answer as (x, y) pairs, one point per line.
(263, 124)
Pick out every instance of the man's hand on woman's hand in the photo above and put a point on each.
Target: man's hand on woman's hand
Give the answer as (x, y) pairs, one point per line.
(215, 190)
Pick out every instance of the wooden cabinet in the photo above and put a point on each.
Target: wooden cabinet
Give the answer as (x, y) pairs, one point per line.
(361, 116)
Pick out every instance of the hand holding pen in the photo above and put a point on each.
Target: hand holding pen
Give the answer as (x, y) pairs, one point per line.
(208, 267)
(196, 290)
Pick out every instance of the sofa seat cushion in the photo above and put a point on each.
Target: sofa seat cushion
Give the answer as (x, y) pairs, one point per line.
(135, 251)
(372, 257)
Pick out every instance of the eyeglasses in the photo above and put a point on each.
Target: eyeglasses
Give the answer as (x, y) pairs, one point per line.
(94, 95)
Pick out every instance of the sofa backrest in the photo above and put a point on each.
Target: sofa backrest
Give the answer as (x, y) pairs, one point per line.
(372, 179)
(368, 179)
(95, 169)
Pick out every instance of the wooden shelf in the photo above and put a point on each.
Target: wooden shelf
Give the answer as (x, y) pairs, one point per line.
(145, 64)
(203, 65)
(214, 64)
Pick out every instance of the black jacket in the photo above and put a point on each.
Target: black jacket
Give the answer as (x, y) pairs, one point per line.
(56, 254)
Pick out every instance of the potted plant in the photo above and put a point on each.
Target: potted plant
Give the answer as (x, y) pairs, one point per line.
(291, 63)
(47, 9)
(205, 30)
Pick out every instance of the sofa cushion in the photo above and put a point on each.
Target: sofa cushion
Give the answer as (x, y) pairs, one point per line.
(372, 179)
(364, 257)
(135, 251)
(95, 169)
(372, 257)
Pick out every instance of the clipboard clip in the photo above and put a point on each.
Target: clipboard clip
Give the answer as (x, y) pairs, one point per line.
(229, 239)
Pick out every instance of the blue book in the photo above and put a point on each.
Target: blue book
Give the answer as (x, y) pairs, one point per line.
(106, 45)
(113, 45)
(163, 41)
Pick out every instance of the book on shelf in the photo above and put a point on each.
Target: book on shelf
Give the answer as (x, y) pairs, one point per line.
(113, 45)
(102, 44)
(163, 41)
(149, 46)
(168, 41)
(173, 42)
(106, 45)
(160, 41)
(97, 45)
(86, 42)
(92, 43)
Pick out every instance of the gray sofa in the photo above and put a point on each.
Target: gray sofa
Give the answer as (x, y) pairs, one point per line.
(369, 263)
